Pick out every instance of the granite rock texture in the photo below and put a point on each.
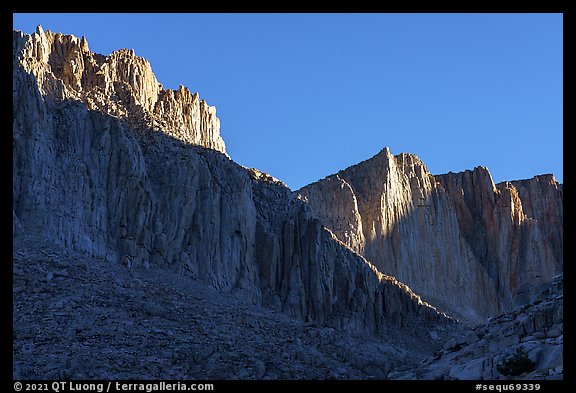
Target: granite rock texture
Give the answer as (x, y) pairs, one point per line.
(462, 242)
(536, 328)
(121, 84)
(79, 317)
(100, 177)
(133, 229)
(513, 228)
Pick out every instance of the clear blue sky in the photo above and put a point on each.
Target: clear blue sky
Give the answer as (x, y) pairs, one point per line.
(301, 96)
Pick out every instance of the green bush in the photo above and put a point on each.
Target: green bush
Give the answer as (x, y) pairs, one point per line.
(516, 364)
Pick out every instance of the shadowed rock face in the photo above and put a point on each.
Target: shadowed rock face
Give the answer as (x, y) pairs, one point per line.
(542, 200)
(514, 229)
(477, 353)
(462, 242)
(97, 320)
(104, 163)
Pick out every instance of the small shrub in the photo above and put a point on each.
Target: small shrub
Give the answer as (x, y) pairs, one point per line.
(516, 364)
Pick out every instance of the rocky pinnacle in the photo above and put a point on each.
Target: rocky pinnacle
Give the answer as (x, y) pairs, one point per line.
(121, 84)
(458, 233)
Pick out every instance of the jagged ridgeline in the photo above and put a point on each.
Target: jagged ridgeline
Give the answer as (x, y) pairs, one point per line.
(108, 163)
(463, 243)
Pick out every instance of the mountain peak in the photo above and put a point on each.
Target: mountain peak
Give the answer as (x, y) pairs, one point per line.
(121, 84)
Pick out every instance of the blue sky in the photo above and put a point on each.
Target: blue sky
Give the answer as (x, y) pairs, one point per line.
(301, 96)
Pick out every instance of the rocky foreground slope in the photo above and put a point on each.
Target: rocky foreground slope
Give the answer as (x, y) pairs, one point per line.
(465, 244)
(80, 317)
(536, 329)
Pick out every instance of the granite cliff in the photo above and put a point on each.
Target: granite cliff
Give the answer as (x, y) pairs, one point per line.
(118, 180)
(121, 84)
(465, 244)
(109, 164)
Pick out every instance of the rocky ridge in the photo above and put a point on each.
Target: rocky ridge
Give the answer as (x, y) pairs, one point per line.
(446, 234)
(121, 84)
(117, 189)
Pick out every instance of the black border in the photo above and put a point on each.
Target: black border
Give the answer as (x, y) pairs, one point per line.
(419, 6)
(218, 6)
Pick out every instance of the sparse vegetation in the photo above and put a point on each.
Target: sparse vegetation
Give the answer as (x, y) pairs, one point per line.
(516, 364)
